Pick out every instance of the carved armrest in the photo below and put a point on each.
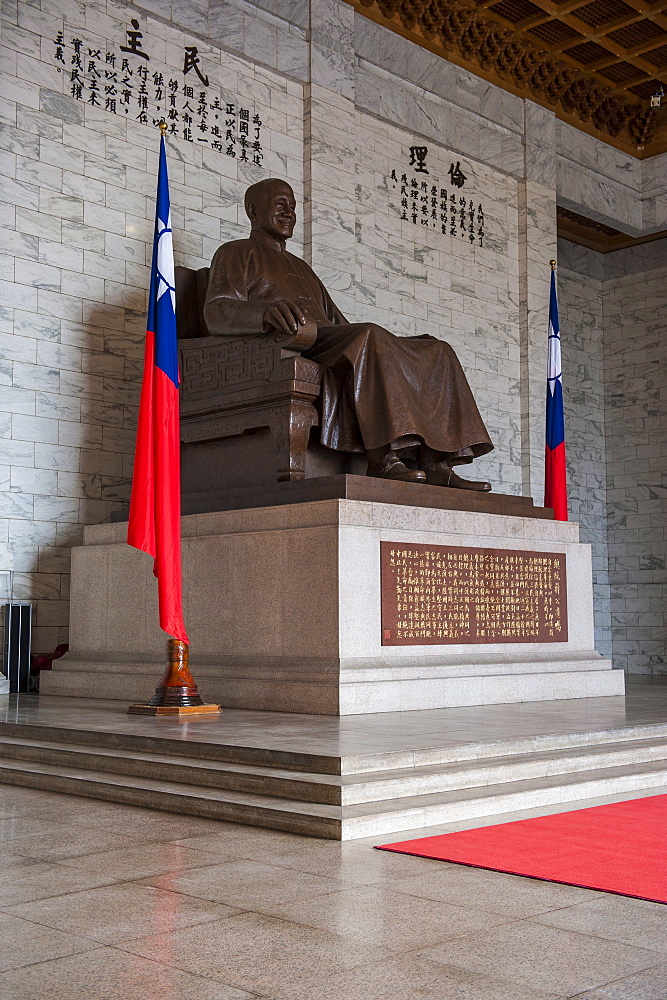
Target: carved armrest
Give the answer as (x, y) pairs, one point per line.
(220, 371)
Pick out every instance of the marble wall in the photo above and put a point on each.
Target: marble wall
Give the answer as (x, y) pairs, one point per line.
(612, 316)
(580, 295)
(413, 278)
(77, 213)
(635, 306)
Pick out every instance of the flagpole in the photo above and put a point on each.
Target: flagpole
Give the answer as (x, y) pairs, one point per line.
(555, 469)
(154, 522)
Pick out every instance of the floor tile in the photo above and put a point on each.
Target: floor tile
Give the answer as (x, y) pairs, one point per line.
(617, 918)
(55, 881)
(24, 943)
(21, 828)
(350, 863)
(13, 866)
(496, 892)
(337, 921)
(405, 977)
(140, 861)
(149, 824)
(108, 974)
(544, 958)
(144, 823)
(246, 841)
(257, 952)
(65, 842)
(391, 919)
(17, 797)
(649, 985)
(119, 912)
(247, 884)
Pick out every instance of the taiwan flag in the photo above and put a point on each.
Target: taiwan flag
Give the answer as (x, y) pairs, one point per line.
(155, 506)
(555, 475)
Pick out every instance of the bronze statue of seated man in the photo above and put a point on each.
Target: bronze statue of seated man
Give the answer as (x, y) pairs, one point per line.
(403, 401)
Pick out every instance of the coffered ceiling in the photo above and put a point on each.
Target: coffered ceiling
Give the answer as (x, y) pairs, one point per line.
(596, 63)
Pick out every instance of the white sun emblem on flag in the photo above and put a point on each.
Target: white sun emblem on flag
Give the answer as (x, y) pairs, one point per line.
(554, 359)
(165, 261)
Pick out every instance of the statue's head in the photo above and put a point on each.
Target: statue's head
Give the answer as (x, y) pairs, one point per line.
(270, 205)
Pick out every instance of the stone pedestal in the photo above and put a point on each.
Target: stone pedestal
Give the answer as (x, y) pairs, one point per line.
(282, 606)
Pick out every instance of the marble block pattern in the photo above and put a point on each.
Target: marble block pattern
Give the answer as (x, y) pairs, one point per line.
(580, 309)
(413, 279)
(612, 308)
(636, 400)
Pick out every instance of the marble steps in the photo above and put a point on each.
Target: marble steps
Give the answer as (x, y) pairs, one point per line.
(335, 789)
(309, 818)
(348, 806)
(223, 775)
(419, 812)
(498, 771)
(339, 822)
(459, 668)
(457, 749)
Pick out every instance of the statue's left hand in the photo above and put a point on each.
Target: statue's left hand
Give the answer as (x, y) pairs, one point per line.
(283, 314)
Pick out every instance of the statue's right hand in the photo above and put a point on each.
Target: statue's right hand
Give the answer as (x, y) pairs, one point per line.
(282, 314)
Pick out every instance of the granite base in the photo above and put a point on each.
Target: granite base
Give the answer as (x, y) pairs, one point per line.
(283, 611)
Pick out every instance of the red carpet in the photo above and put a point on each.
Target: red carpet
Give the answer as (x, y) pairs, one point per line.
(618, 848)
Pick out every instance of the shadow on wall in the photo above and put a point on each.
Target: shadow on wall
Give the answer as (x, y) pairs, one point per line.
(92, 467)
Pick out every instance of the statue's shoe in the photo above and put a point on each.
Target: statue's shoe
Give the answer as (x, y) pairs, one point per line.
(439, 475)
(393, 468)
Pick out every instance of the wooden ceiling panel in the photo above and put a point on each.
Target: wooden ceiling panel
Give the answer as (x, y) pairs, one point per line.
(588, 53)
(656, 57)
(622, 73)
(596, 63)
(646, 89)
(516, 10)
(602, 13)
(555, 33)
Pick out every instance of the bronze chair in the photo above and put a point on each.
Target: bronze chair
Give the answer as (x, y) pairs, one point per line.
(249, 405)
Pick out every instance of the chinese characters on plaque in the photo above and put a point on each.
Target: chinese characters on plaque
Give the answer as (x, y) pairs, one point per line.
(444, 206)
(442, 594)
(124, 81)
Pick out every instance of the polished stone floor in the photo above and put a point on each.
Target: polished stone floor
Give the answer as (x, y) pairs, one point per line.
(105, 901)
(118, 902)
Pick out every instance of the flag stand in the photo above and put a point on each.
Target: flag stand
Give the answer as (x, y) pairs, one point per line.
(154, 524)
(177, 693)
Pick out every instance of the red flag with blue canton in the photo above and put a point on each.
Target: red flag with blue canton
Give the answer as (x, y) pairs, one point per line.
(155, 506)
(555, 475)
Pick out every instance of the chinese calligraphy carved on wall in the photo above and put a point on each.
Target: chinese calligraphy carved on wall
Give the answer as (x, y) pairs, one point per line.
(430, 202)
(124, 80)
(441, 595)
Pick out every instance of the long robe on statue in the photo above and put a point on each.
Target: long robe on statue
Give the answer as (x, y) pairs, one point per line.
(378, 389)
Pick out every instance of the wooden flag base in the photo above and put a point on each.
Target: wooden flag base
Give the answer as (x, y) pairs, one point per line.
(177, 693)
(173, 710)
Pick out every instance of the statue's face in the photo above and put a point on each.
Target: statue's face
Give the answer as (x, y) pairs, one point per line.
(274, 212)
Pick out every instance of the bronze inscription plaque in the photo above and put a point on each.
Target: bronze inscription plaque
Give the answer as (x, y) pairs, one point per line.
(434, 595)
